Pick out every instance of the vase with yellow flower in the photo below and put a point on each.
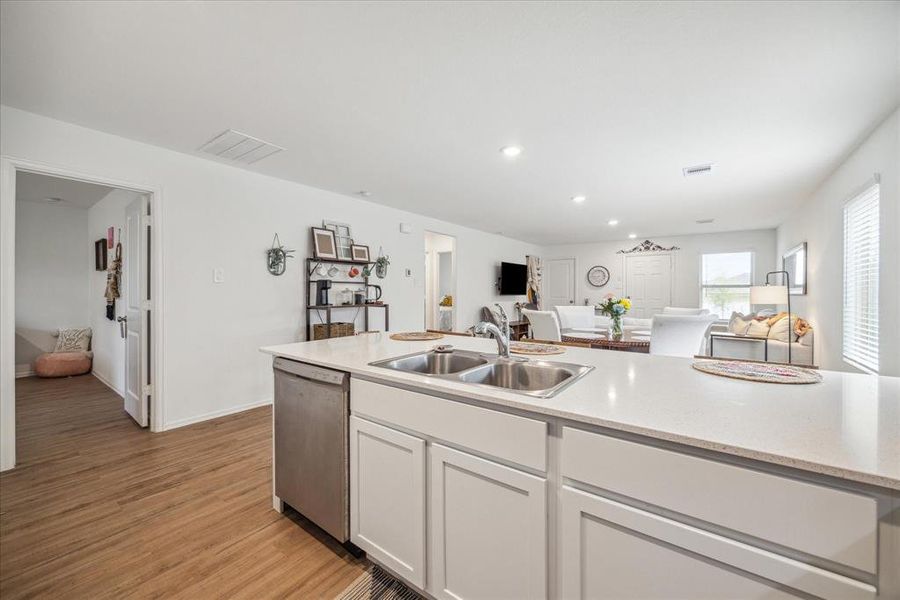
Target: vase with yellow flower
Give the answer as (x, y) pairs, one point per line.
(615, 309)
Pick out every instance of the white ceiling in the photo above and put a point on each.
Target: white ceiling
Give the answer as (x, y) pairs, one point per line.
(413, 100)
(31, 187)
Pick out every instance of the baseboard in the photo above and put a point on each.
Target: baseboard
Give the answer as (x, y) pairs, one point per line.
(107, 383)
(28, 373)
(216, 414)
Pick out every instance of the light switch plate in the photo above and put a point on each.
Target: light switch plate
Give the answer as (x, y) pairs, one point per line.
(218, 275)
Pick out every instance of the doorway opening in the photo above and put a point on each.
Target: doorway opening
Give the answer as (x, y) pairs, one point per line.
(440, 281)
(77, 273)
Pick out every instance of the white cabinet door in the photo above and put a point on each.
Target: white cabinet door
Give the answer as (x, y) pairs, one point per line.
(387, 497)
(488, 529)
(609, 550)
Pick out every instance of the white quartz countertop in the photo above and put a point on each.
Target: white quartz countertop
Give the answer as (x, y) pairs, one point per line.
(848, 426)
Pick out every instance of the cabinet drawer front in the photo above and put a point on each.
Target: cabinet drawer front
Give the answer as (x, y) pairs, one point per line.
(833, 524)
(610, 550)
(387, 497)
(488, 529)
(509, 437)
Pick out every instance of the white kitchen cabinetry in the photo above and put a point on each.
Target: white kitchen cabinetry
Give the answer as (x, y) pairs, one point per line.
(611, 550)
(488, 529)
(387, 497)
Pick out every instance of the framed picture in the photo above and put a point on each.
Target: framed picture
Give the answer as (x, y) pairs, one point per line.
(343, 237)
(100, 255)
(324, 245)
(794, 262)
(359, 252)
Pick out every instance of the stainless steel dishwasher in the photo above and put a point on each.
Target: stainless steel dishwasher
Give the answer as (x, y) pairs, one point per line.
(311, 444)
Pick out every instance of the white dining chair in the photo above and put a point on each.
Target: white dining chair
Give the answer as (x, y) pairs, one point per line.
(578, 319)
(544, 325)
(679, 335)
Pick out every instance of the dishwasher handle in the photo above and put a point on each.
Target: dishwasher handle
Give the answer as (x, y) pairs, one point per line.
(311, 372)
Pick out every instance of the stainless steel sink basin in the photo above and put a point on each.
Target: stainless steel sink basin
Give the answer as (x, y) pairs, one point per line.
(524, 376)
(434, 363)
(539, 378)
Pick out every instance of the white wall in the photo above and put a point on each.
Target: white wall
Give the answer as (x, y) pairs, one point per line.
(109, 347)
(52, 262)
(216, 215)
(819, 222)
(686, 276)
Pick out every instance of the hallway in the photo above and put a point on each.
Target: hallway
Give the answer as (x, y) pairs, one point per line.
(98, 507)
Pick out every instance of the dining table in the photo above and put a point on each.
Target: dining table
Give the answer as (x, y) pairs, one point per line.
(632, 340)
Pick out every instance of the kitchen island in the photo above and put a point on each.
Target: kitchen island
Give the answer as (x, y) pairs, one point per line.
(645, 478)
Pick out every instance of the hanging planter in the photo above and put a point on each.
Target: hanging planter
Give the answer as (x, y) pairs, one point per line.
(381, 264)
(276, 257)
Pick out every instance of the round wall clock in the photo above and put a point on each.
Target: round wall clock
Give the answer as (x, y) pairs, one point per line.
(598, 276)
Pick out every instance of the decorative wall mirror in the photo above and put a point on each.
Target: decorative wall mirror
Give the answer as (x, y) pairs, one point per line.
(794, 262)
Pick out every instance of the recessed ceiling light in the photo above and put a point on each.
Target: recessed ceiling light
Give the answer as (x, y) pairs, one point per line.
(631, 236)
(612, 222)
(511, 151)
(53, 199)
(578, 199)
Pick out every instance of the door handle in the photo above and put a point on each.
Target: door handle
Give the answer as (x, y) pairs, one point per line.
(122, 321)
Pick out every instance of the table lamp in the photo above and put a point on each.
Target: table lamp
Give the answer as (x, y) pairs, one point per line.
(775, 294)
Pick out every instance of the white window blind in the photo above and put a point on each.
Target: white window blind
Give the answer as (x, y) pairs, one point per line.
(860, 319)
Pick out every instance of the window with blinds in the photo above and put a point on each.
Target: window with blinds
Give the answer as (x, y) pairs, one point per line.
(860, 319)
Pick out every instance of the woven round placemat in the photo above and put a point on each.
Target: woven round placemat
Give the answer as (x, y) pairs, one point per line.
(750, 371)
(535, 349)
(416, 336)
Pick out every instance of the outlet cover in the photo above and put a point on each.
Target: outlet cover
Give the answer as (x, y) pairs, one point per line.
(218, 275)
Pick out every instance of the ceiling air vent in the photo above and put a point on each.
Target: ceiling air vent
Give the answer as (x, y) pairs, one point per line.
(239, 147)
(704, 221)
(697, 170)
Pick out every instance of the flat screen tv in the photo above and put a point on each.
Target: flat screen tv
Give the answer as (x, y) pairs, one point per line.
(513, 279)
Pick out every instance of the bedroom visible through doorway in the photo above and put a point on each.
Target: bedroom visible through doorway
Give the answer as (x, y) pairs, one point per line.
(81, 286)
(440, 281)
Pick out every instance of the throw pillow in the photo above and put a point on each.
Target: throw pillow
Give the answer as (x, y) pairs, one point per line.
(74, 340)
(782, 330)
(758, 328)
(739, 323)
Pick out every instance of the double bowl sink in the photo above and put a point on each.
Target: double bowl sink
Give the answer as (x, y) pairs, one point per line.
(538, 378)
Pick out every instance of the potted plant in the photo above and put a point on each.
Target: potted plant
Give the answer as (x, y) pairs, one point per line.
(615, 309)
(381, 265)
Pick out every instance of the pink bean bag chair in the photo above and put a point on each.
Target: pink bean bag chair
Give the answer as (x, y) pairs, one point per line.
(63, 364)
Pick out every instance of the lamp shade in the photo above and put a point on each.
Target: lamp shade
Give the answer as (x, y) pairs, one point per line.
(768, 294)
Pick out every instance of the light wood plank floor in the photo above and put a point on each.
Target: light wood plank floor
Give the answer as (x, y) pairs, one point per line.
(98, 508)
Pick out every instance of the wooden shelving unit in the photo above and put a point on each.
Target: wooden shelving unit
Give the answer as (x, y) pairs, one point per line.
(311, 265)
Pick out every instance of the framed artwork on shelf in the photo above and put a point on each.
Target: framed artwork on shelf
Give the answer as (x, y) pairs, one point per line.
(324, 244)
(359, 252)
(343, 237)
(794, 262)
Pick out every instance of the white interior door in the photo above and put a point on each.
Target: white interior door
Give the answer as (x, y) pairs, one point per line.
(559, 282)
(135, 273)
(648, 282)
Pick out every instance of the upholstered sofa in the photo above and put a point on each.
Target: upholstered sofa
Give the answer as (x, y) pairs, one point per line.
(642, 323)
(763, 343)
